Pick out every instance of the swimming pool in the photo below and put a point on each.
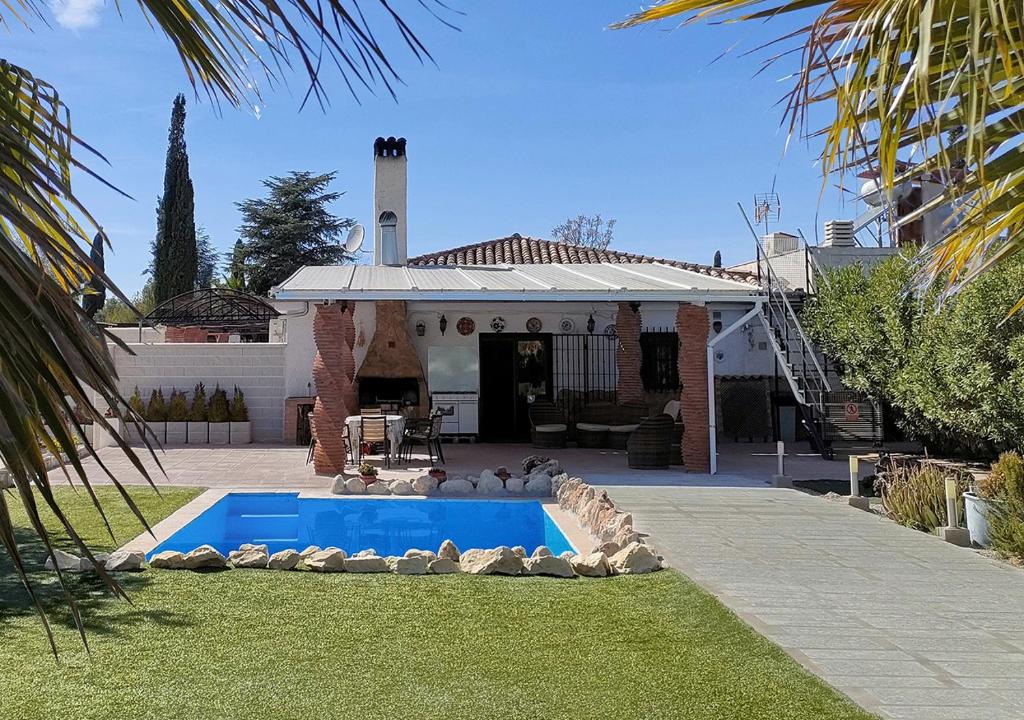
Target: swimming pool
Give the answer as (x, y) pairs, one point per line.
(390, 526)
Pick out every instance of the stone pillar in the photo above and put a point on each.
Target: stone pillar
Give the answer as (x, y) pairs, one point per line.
(629, 387)
(692, 328)
(333, 370)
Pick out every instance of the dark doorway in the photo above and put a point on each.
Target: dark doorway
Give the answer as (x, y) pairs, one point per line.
(513, 368)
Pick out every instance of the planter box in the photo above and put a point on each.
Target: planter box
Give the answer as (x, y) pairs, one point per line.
(198, 433)
(241, 433)
(219, 433)
(159, 429)
(177, 433)
(976, 510)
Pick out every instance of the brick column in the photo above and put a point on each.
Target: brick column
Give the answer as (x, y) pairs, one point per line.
(692, 327)
(333, 369)
(629, 387)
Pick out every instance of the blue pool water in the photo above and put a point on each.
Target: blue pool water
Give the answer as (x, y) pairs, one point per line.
(283, 520)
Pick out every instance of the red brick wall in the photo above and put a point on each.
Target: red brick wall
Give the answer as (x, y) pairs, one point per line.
(333, 368)
(191, 335)
(692, 327)
(629, 387)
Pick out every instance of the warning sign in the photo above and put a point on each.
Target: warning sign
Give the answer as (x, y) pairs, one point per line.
(851, 412)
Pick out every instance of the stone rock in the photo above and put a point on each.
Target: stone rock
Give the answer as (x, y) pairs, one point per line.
(413, 552)
(594, 564)
(366, 564)
(490, 485)
(539, 485)
(392, 561)
(557, 481)
(547, 565)
(597, 513)
(329, 560)
(125, 561)
(549, 468)
(249, 557)
(378, 488)
(619, 522)
(567, 555)
(204, 556)
(449, 550)
(368, 552)
(532, 461)
(284, 560)
(519, 551)
(68, 562)
(168, 560)
(444, 566)
(473, 480)
(309, 551)
(566, 490)
(424, 485)
(251, 546)
(456, 486)
(609, 548)
(634, 559)
(515, 485)
(542, 551)
(338, 485)
(499, 561)
(400, 487)
(355, 486)
(626, 536)
(418, 565)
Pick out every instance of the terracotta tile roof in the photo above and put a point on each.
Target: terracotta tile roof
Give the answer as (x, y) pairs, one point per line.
(519, 250)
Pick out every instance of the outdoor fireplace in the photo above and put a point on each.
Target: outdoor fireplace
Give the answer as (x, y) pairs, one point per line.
(391, 375)
(390, 393)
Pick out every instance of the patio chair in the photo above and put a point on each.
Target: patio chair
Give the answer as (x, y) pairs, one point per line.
(426, 431)
(374, 431)
(650, 445)
(626, 421)
(548, 428)
(370, 411)
(345, 438)
(592, 430)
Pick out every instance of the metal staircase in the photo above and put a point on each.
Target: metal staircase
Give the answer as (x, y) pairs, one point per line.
(797, 355)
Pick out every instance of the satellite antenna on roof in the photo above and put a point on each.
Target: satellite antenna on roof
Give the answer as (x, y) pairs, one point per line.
(355, 239)
(767, 209)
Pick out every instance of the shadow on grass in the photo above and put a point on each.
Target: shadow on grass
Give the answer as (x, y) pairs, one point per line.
(102, 613)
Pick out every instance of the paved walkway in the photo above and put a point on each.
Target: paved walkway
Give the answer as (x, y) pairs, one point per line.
(904, 624)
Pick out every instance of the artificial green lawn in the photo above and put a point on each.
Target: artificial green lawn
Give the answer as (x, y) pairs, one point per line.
(260, 644)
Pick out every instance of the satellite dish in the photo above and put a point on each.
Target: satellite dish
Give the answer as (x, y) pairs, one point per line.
(355, 239)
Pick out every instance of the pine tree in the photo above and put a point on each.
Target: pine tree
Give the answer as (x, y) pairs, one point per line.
(290, 228)
(175, 258)
(207, 259)
(236, 267)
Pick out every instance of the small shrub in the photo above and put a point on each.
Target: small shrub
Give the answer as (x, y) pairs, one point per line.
(219, 412)
(1006, 516)
(177, 408)
(1008, 469)
(198, 412)
(239, 410)
(368, 470)
(136, 404)
(156, 411)
(916, 496)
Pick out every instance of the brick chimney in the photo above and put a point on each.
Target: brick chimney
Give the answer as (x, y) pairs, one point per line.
(390, 202)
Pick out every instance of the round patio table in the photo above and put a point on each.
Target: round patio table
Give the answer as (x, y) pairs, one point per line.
(395, 429)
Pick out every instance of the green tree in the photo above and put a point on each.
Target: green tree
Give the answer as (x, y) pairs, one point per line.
(175, 258)
(235, 279)
(585, 231)
(954, 373)
(118, 312)
(207, 259)
(290, 228)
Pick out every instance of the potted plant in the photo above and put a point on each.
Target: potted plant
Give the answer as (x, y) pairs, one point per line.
(988, 493)
(368, 473)
(131, 429)
(219, 415)
(439, 474)
(198, 427)
(241, 428)
(503, 473)
(177, 419)
(156, 415)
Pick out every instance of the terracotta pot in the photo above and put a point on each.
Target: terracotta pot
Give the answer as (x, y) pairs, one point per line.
(368, 479)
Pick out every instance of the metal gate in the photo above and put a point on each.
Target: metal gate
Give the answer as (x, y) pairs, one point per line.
(851, 417)
(584, 371)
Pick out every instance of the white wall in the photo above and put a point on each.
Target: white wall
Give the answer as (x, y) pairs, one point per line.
(257, 369)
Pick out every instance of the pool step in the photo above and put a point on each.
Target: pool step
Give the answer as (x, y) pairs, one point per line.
(268, 528)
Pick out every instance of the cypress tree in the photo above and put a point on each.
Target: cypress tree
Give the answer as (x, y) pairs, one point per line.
(175, 259)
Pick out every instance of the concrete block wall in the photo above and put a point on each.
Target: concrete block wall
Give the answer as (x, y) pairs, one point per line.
(258, 369)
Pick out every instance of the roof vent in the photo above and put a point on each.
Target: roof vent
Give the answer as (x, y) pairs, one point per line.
(838, 233)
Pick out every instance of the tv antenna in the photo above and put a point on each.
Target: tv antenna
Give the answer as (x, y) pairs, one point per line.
(767, 209)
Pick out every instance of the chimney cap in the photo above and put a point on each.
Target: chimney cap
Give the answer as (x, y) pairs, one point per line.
(389, 147)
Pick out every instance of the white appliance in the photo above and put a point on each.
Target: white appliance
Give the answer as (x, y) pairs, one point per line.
(459, 412)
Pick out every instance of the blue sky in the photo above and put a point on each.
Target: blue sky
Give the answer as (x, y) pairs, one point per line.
(535, 112)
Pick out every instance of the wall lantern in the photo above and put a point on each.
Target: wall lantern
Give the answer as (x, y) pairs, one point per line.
(635, 307)
(717, 326)
(421, 328)
(591, 324)
(443, 324)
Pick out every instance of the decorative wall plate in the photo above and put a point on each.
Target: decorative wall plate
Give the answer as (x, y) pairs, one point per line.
(498, 324)
(567, 325)
(534, 325)
(465, 326)
(610, 330)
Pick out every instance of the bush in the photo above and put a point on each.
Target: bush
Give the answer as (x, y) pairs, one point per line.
(198, 412)
(239, 410)
(1009, 467)
(136, 404)
(368, 470)
(219, 412)
(156, 411)
(177, 408)
(1006, 516)
(915, 496)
